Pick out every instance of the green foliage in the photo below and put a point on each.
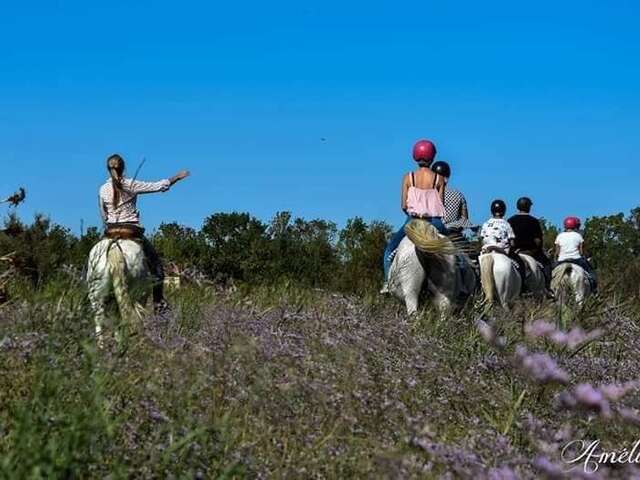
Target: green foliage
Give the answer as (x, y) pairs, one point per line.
(237, 243)
(549, 232)
(613, 239)
(301, 250)
(61, 425)
(613, 242)
(40, 248)
(237, 247)
(181, 245)
(361, 248)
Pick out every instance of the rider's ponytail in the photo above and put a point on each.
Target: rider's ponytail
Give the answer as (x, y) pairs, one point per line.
(115, 165)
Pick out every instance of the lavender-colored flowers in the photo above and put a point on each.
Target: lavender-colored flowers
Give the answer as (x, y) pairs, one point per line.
(629, 415)
(585, 396)
(502, 473)
(615, 392)
(571, 339)
(598, 399)
(488, 333)
(539, 367)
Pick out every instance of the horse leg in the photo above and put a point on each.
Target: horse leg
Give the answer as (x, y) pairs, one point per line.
(443, 304)
(411, 287)
(97, 301)
(100, 320)
(411, 301)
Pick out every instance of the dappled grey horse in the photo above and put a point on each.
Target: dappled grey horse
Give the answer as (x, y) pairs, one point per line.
(117, 268)
(424, 257)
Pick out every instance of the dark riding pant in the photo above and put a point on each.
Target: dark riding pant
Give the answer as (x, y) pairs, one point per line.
(155, 265)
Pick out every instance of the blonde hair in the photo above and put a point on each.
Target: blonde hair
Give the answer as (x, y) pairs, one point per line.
(115, 165)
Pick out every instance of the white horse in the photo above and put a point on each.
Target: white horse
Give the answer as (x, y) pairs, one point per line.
(534, 282)
(500, 279)
(569, 278)
(118, 268)
(425, 255)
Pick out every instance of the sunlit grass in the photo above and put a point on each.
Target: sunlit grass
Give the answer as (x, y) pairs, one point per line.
(282, 381)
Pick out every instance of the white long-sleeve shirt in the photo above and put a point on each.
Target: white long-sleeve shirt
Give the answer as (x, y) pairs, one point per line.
(126, 211)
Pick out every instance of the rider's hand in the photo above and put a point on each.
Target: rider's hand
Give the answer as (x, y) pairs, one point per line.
(179, 176)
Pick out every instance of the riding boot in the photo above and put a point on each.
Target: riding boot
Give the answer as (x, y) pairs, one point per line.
(460, 268)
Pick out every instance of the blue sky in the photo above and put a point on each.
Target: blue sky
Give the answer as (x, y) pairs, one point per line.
(537, 98)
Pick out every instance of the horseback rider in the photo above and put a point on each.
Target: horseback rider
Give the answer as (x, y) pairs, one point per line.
(529, 236)
(569, 248)
(498, 236)
(421, 196)
(456, 212)
(117, 200)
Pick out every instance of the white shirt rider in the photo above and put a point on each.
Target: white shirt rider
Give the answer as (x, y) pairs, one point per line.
(569, 245)
(126, 211)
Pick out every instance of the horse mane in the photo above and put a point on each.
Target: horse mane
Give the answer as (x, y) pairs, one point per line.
(427, 239)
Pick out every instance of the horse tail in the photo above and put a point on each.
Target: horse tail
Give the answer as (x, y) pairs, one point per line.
(118, 270)
(486, 277)
(558, 280)
(426, 238)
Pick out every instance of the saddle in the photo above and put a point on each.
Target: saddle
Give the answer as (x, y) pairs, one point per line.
(123, 231)
(494, 249)
(521, 266)
(591, 276)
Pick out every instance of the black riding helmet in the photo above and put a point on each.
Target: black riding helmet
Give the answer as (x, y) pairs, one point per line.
(524, 204)
(498, 207)
(441, 168)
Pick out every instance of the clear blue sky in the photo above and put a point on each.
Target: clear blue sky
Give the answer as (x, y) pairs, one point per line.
(538, 98)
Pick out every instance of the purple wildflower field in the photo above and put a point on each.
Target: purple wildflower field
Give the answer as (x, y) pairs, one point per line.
(287, 383)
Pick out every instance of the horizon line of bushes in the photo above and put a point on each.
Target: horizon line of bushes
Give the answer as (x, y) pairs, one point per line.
(314, 253)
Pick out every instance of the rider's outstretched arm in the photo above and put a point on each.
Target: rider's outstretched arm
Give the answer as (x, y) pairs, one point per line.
(179, 176)
(138, 186)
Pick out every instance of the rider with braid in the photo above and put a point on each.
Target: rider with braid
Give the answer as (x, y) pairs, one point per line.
(117, 199)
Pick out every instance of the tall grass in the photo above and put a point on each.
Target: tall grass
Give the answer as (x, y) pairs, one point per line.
(286, 382)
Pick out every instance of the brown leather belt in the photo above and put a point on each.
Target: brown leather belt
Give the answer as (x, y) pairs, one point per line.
(124, 232)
